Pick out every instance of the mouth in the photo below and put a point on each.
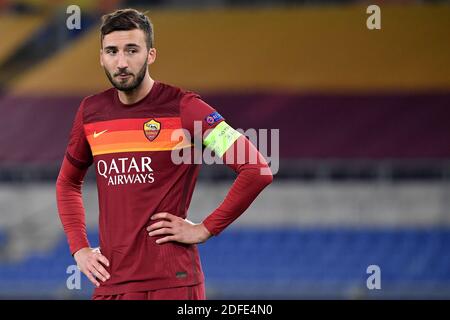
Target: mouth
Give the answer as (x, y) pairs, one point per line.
(123, 76)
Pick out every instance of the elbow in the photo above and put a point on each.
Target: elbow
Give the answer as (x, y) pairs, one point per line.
(60, 184)
(65, 187)
(259, 175)
(265, 176)
(60, 188)
(268, 178)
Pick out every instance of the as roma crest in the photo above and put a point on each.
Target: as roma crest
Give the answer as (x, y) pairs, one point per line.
(151, 129)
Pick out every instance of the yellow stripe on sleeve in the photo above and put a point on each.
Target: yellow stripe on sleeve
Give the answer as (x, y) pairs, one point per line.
(221, 138)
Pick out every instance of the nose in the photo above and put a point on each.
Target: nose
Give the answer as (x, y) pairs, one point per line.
(122, 62)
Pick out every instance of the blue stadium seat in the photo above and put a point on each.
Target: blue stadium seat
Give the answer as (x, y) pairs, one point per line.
(327, 260)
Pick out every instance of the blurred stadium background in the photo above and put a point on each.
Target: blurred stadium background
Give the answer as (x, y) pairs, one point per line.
(364, 120)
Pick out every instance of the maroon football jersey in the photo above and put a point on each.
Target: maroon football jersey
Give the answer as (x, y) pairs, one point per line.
(130, 147)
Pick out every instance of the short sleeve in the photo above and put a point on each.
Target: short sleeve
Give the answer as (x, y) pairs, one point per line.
(78, 151)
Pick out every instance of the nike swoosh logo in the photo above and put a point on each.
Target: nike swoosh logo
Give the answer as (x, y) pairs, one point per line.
(96, 134)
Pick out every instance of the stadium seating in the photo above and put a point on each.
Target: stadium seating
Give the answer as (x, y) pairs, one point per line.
(283, 263)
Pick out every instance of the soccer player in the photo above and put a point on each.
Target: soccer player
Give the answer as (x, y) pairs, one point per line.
(147, 246)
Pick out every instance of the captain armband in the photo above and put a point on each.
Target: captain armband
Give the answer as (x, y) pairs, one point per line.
(221, 138)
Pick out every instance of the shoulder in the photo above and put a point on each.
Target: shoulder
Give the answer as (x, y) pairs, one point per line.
(96, 103)
(173, 93)
(98, 98)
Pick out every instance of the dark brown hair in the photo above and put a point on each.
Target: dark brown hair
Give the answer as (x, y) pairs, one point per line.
(127, 19)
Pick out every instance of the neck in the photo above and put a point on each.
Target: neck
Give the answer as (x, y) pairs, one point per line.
(129, 97)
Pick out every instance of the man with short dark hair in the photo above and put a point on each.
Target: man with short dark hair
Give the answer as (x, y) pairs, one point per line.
(147, 246)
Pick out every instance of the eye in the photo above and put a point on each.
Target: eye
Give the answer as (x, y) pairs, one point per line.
(110, 51)
(132, 51)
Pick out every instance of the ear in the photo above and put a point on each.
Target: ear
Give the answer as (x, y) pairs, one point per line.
(151, 56)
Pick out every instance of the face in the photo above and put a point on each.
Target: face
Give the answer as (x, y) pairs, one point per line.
(125, 58)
